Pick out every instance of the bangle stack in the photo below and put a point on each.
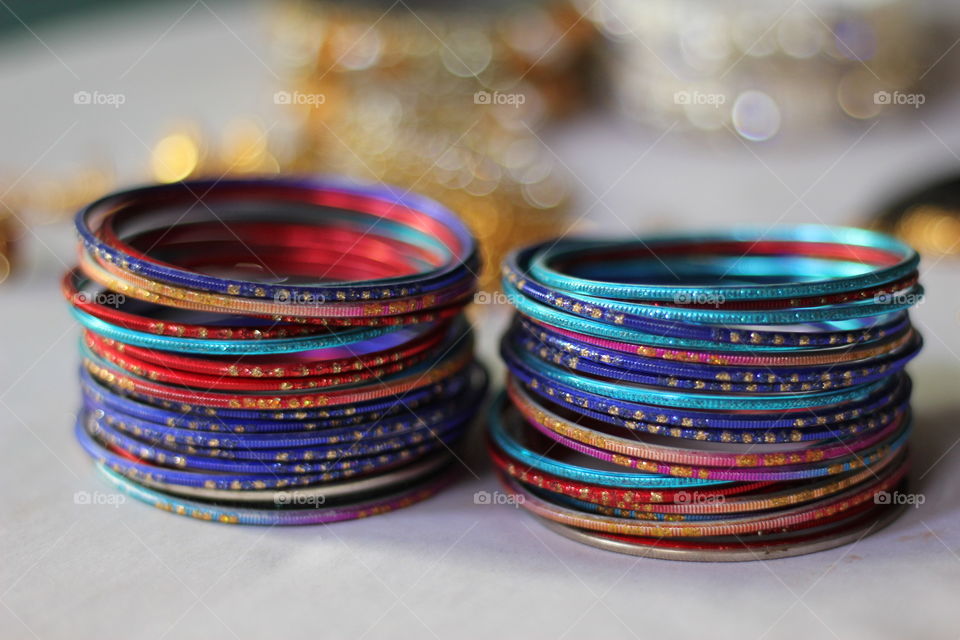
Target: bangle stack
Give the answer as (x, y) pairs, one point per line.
(274, 351)
(724, 396)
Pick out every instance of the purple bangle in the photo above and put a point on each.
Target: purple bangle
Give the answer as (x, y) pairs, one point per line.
(344, 450)
(295, 435)
(868, 456)
(266, 479)
(676, 377)
(874, 419)
(462, 262)
(239, 515)
(243, 421)
(904, 346)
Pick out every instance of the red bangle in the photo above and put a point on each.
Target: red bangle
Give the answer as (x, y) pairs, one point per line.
(128, 362)
(118, 378)
(294, 365)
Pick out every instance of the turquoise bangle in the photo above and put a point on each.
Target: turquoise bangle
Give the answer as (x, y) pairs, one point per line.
(227, 347)
(553, 317)
(518, 451)
(723, 317)
(540, 266)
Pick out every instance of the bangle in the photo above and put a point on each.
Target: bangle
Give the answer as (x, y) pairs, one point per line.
(788, 397)
(732, 339)
(871, 345)
(272, 517)
(660, 373)
(841, 531)
(367, 430)
(786, 518)
(888, 260)
(317, 495)
(736, 498)
(879, 417)
(242, 421)
(420, 376)
(672, 461)
(417, 218)
(284, 304)
(569, 383)
(877, 300)
(162, 373)
(737, 368)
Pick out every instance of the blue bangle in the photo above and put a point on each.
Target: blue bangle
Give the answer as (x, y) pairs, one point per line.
(294, 434)
(879, 417)
(664, 319)
(265, 479)
(363, 455)
(554, 346)
(242, 421)
(734, 339)
(668, 376)
(311, 513)
(540, 267)
(571, 383)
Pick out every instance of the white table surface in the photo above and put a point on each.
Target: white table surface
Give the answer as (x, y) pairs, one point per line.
(447, 567)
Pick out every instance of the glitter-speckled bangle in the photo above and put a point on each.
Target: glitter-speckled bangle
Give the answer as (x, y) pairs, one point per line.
(422, 375)
(313, 495)
(735, 526)
(883, 259)
(785, 371)
(571, 383)
(223, 421)
(875, 342)
(660, 318)
(668, 375)
(310, 514)
(733, 498)
(878, 416)
(419, 219)
(733, 339)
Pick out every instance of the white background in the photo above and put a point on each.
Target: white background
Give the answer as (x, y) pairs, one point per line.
(447, 567)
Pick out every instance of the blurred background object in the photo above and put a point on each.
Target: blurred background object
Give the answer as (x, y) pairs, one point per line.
(928, 218)
(759, 68)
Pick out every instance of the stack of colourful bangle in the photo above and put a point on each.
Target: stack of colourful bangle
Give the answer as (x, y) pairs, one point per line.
(725, 396)
(274, 351)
